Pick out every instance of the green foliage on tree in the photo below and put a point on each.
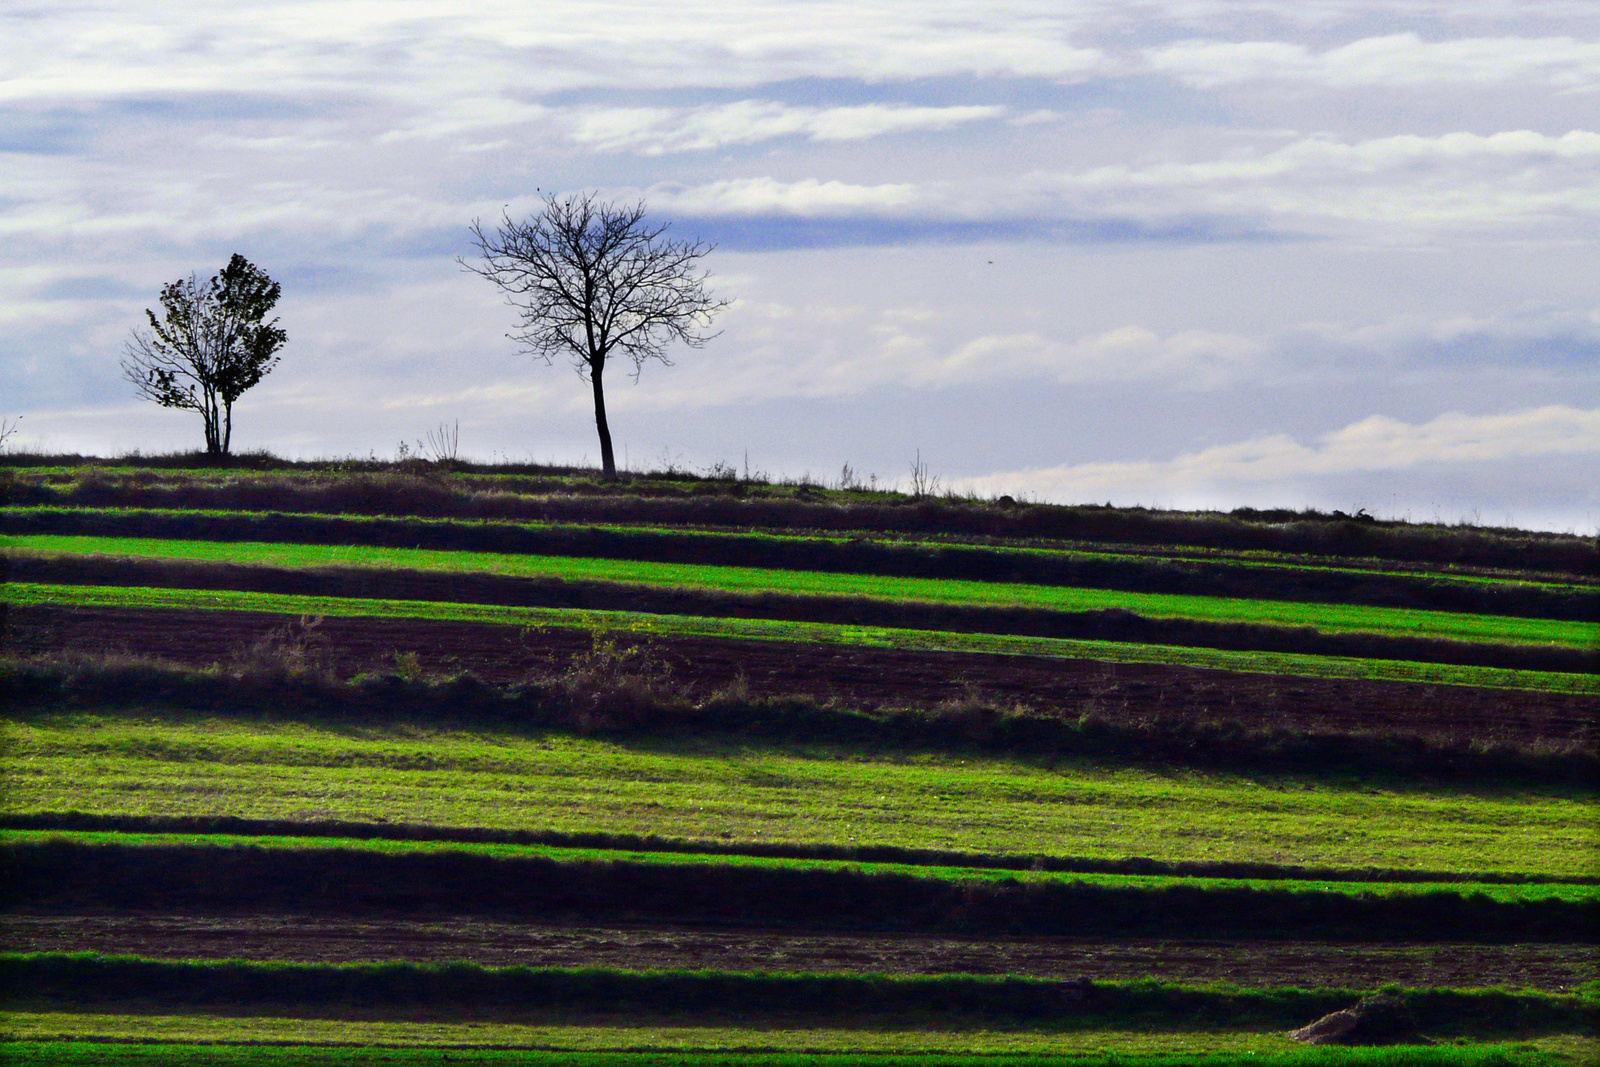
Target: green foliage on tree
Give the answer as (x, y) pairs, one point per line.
(209, 345)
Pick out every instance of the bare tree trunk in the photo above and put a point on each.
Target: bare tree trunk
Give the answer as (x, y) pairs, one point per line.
(227, 427)
(608, 460)
(208, 412)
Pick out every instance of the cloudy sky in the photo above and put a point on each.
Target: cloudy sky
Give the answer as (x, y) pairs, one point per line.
(1332, 253)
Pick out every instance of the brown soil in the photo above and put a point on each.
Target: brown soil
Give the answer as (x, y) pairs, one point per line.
(1297, 963)
(855, 676)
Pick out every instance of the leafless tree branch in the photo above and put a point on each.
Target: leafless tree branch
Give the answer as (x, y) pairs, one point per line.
(593, 281)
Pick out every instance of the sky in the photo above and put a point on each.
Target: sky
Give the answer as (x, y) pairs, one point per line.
(1185, 253)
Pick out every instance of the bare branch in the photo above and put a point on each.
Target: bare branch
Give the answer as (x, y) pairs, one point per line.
(8, 430)
(591, 280)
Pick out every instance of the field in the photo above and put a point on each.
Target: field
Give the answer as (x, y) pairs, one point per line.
(417, 765)
(1330, 618)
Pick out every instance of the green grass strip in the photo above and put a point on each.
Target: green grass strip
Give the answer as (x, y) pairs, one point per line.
(823, 633)
(1330, 618)
(708, 788)
(42, 1043)
(1501, 892)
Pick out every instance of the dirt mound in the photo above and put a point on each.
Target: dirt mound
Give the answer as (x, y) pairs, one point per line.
(1379, 1019)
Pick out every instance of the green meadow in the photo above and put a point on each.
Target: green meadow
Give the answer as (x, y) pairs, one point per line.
(713, 789)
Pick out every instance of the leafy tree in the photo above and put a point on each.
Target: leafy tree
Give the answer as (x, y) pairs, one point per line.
(594, 281)
(208, 347)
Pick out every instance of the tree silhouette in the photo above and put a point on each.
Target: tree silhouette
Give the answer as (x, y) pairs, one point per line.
(593, 280)
(208, 347)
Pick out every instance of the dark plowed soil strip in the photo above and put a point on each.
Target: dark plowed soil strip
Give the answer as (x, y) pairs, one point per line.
(855, 676)
(727, 505)
(1100, 625)
(1554, 968)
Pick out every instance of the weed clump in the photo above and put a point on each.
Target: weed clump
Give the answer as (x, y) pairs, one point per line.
(1379, 1019)
(616, 686)
(297, 649)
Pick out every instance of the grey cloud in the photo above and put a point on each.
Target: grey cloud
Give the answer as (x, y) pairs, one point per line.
(76, 122)
(224, 106)
(51, 134)
(68, 131)
(1402, 60)
(328, 278)
(87, 287)
(1020, 93)
(1548, 337)
(772, 233)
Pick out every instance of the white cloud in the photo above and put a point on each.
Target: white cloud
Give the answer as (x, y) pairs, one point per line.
(1376, 443)
(477, 47)
(758, 196)
(1128, 353)
(773, 351)
(1519, 337)
(1411, 180)
(1396, 60)
(655, 131)
(1362, 157)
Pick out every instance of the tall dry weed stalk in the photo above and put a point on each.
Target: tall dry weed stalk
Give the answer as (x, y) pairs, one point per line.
(442, 445)
(297, 649)
(923, 482)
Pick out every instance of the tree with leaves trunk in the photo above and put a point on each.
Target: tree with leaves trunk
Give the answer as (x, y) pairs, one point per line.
(592, 281)
(209, 346)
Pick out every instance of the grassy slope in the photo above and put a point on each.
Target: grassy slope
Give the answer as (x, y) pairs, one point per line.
(700, 790)
(1332, 618)
(760, 629)
(712, 789)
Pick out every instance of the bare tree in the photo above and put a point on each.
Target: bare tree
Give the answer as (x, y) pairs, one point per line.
(208, 347)
(592, 281)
